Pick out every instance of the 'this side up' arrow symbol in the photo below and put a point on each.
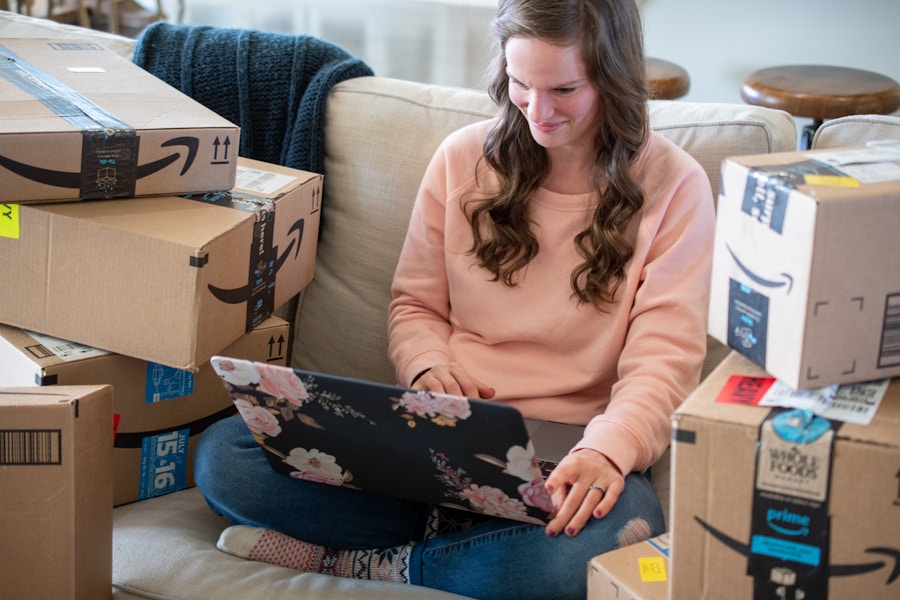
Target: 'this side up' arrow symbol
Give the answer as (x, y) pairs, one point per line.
(216, 145)
(272, 343)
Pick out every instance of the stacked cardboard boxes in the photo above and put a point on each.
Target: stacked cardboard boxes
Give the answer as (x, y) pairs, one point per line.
(136, 245)
(159, 410)
(785, 460)
(166, 279)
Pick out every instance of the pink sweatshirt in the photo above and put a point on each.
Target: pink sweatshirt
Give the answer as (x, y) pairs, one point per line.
(621, 372)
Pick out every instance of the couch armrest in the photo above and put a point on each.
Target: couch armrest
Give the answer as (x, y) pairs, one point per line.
(856, 130)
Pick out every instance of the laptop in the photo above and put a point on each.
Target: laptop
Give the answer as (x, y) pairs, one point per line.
(441, 449)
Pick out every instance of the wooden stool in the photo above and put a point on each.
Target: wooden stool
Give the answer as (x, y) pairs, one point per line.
(821, 92)
(666, 80)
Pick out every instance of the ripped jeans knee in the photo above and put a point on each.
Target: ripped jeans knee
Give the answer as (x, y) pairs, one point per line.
(634, 531)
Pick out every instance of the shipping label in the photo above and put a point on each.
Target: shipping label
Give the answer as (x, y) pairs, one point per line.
(61, 349)
(878, 162)
(849, 403)
(259, 181)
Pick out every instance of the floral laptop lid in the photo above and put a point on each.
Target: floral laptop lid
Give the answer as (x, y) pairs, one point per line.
(434, 448)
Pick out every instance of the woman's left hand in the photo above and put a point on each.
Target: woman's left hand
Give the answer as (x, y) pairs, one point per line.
(584, 484)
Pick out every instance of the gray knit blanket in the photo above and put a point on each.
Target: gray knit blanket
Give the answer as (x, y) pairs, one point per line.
(273, 86)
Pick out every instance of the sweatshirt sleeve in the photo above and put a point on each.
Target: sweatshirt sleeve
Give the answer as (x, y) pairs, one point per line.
(418, 316)
(666, 341)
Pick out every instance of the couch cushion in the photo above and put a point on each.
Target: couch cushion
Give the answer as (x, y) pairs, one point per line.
(856, 130)
(380, 135)
(165, 548)
(711, 132)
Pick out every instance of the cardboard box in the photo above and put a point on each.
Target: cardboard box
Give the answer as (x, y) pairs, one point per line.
(80, 121)
(164, 279)
(635, 572)
(55, 507)
(160, 410)
(771, 504)
(806, 270)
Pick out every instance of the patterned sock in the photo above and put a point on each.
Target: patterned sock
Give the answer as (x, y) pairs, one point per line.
(266, 545)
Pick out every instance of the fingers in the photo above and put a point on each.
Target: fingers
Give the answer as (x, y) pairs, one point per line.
(580, 505)
(576, 490)
(452, 378)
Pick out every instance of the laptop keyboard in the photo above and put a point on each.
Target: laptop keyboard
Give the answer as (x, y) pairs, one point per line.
(547, 467)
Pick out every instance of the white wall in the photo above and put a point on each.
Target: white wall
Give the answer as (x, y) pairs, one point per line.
(720, 41)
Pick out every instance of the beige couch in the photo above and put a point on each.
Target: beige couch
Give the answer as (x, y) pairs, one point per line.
(380, 133)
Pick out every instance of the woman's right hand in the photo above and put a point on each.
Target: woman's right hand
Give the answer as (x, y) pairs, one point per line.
(452, 378)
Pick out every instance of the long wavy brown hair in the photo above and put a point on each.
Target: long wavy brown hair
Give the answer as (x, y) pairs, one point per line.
(609, 35)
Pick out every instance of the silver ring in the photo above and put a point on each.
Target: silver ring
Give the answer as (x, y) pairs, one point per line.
(596, 486)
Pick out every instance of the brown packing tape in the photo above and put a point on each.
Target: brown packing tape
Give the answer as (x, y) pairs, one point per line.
(109, 145)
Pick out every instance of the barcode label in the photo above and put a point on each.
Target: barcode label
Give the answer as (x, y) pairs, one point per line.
(852, 403)
(30, 447)
(260, 182)
(62, 349)
(781, 394)
(76, 46)
(889, 354)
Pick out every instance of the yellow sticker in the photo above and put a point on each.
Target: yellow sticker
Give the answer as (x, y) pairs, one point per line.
(832, 181)
(9, 221)
(653, 568)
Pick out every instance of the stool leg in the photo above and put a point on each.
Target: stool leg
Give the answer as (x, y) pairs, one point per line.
(808, 132)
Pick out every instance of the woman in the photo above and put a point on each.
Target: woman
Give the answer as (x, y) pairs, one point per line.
(557, 260)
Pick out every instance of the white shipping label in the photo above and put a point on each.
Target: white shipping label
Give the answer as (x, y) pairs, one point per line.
(260, 182)
(66, 350)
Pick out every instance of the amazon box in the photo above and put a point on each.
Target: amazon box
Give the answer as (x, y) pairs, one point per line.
(777, 503)
(78, 121)
(635, 572)
(167, 279)
(160, 411)
(806, 268)
(56, 478)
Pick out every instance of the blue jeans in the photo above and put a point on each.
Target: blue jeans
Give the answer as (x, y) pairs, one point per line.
(493, 559)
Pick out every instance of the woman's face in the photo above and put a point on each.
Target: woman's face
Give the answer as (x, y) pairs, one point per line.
(549, 84)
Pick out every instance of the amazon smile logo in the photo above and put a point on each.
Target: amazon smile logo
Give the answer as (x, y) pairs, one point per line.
(245, 293)
(186, 150)
(890, 561)
(783, 281)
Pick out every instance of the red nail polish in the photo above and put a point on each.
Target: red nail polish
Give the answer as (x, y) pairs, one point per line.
(551, 533)
(570, 531)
